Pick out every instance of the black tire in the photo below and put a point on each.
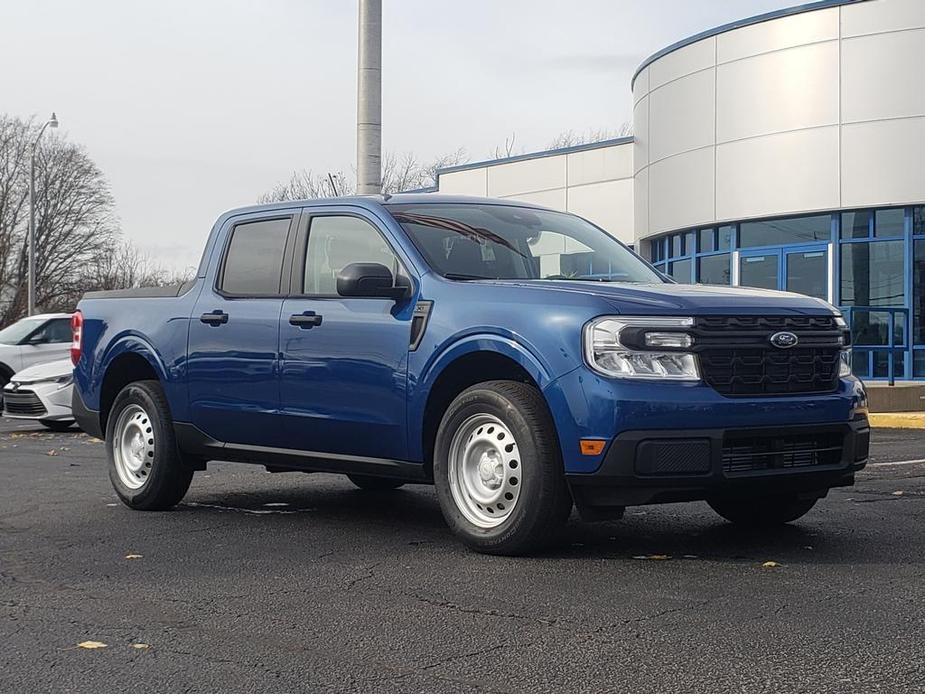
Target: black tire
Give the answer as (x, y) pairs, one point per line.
(544, 502)
(762, 512)
(58, 425)
(168, 477)
(4, 379)
(375, 484)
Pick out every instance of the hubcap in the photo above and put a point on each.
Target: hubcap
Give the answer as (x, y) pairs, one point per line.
(133, 446)
(484, 468)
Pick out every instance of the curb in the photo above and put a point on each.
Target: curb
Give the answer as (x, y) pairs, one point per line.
(897, 420)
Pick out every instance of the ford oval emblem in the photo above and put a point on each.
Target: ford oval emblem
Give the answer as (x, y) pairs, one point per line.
(784, 340)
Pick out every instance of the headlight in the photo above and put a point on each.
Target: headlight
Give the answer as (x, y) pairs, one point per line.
(844, 366)
(641, 347)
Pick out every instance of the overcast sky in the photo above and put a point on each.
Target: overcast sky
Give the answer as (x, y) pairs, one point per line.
(193, 107)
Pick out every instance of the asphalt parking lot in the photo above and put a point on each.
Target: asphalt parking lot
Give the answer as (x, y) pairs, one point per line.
(270, 583)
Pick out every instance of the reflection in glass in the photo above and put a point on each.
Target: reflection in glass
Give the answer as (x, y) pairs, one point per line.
(872, 274)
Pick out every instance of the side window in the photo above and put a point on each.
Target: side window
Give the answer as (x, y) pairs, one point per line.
(337, 241)
(254, 260)
(54, 331)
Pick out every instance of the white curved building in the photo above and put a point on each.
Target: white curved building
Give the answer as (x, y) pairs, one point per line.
(784, 151)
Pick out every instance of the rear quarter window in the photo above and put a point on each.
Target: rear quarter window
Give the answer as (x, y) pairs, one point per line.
(254, 259)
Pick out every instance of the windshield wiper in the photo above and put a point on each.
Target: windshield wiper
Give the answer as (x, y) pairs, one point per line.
(579, 278)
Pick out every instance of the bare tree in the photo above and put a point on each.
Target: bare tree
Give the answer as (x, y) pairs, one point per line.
(75, 219)
(570, 138)
(399, 173)
(505, 151)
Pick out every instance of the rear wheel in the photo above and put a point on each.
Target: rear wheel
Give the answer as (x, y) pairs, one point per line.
(145, 466)
(762, 512)
(498, 469)
(57, 424)
(375, 484)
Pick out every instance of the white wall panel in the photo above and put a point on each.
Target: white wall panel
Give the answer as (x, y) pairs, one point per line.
(796, 30)
(775, 92)
(777, 174)
(600, 164)
(608, 204)
(641, 85)
(547, 198)
(883, 162)
(873, 86)
(684, 61)
(681, 190)
(681, 115)
(466, 182)
(527, 176)
(881, 15)
(641, 135)
(641, 204)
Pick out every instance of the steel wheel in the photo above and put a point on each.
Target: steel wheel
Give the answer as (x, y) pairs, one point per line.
(133, 446)
(484, 470)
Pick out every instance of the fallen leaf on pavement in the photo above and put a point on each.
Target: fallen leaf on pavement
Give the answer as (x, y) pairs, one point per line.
(90, 645)
(141, 646)
(52, 452)
(898, 493)
(133, 556)
(770, 565)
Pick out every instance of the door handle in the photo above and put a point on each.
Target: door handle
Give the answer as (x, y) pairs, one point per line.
(306, 321)
(217, 317)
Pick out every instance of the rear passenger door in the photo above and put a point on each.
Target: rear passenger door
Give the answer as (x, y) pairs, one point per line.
(343, 378)
(51, 342)
(233, 365)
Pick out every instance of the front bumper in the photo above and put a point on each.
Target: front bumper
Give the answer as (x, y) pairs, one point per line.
(47, 401)
(661, 466)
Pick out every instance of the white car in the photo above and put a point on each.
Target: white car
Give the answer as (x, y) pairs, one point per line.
(33, 340)
(42, 393)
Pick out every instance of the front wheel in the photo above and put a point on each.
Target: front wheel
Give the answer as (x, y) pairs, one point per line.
(762, 512)
(498, 469)
(145, 466)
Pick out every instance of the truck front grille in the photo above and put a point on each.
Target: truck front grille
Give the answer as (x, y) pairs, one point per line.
(738, 359)
(744, 454)
(24, 403)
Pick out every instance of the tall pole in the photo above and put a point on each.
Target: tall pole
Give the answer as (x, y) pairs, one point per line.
(369, 98)
(30, 288)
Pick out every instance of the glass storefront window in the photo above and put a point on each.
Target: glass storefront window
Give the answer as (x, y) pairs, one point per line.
(918, 364)
(882, 364)
(918, 220)
(706, 240)
(758, 271)
(725, 238)
(855, 225)
(889, 223)
(714, 269)
(872, 274)
(783, 232)
(871, 328)
(680, 271)
(860, 363)
(918, 293)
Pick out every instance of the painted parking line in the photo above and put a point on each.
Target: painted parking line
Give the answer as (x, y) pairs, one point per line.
(898, 462)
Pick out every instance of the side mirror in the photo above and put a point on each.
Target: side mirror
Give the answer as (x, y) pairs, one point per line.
(371, 280)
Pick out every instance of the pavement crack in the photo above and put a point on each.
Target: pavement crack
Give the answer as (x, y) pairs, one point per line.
(369, 574)
(455, 607)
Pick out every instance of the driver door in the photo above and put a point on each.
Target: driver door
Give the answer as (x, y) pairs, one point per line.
(51, 342)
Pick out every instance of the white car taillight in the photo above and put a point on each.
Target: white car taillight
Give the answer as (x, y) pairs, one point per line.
(77, 330)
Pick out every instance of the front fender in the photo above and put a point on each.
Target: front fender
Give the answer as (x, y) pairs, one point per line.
(421, 384)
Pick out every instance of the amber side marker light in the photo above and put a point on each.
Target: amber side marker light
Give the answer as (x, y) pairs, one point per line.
(592, 446)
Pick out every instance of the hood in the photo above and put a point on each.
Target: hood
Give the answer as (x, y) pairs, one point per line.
(49, 371)
(674, 299)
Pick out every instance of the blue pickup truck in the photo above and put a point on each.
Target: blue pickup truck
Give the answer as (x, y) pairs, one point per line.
(520, 359)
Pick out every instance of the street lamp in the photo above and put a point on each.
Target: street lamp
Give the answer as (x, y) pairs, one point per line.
(53, 122)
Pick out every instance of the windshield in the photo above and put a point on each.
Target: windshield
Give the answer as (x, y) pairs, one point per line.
(16, 333)
(472, 241)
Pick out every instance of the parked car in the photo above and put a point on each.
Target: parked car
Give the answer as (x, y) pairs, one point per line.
(42, 393)
(33, 340)
(518, 358)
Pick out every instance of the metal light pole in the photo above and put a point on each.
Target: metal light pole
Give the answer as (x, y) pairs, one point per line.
(53, 122)
(369, 98)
